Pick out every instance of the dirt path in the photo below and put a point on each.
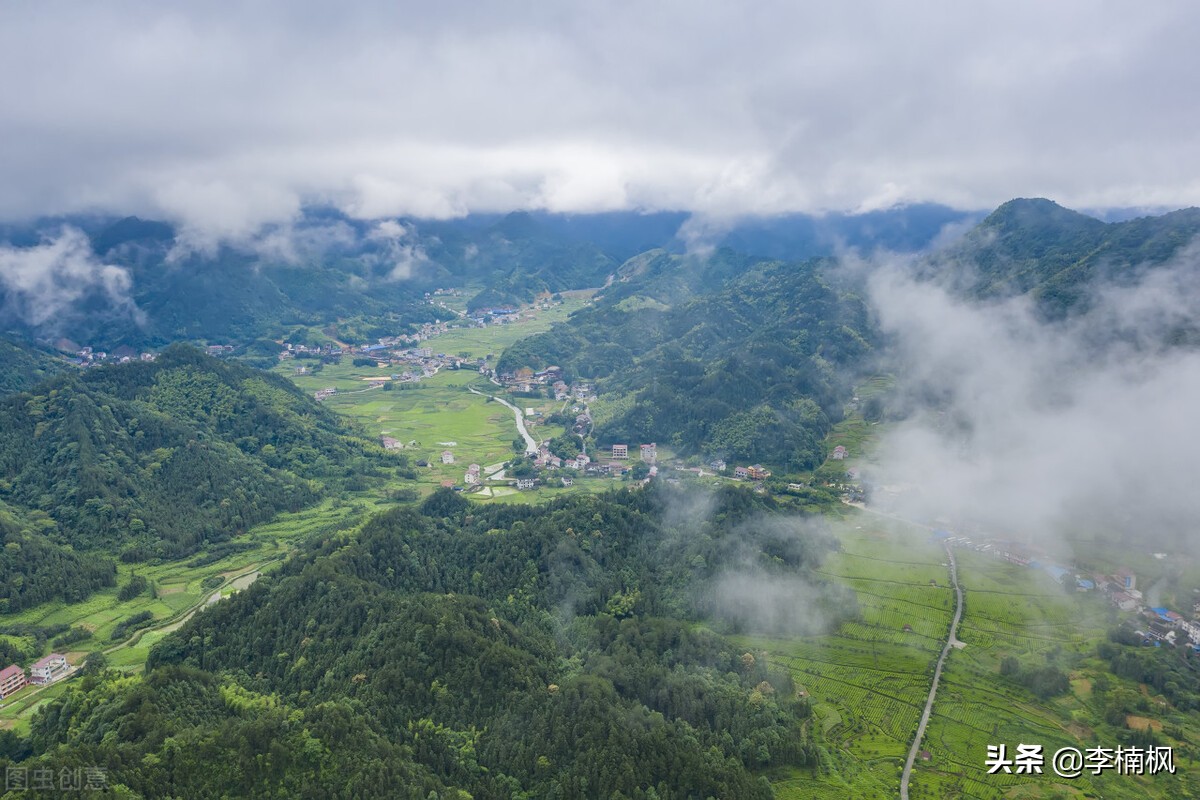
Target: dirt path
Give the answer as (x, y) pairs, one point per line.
(951, 640)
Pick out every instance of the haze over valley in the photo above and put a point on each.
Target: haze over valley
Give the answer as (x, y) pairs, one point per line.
(627, 403)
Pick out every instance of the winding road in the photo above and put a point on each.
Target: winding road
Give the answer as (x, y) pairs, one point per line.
(937, 676)
(531, 444)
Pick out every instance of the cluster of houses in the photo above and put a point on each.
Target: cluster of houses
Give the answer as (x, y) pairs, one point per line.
(525, 380)
(90, 357)
(755, 472)
(1162, 626)
(419, 362)
(291, 350)
(43, 671)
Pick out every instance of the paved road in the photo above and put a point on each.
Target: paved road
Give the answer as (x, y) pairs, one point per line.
(937, 676)
(531, 444)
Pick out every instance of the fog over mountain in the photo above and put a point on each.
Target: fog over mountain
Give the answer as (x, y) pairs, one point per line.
(1076, 428)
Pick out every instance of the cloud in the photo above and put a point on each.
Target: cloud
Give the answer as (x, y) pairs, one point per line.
(1047, 430)
(42, 285)
(399, 258)
(227, 117)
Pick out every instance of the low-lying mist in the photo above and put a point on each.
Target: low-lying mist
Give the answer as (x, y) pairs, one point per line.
(1046, 430)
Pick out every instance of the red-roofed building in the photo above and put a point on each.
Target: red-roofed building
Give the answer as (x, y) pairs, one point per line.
(12, 679)
(839, 453)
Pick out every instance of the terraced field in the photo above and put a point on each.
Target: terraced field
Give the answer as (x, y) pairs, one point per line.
(1019, 611)
(868, 679)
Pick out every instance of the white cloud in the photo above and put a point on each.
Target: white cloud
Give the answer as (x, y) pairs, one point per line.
(1043, 430)
(227, 116)
(44, 283)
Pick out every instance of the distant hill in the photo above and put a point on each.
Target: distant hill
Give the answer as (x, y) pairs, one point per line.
(160, 459)
(370, 277)
(23, 366)
(1057, 255)
(725, 356)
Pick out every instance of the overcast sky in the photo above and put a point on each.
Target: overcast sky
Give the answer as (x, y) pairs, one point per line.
(227, 116)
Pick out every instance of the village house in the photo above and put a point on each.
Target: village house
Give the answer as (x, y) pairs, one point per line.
(48, 669)
(472, 476)
(567, 480)
(741, 473)
(1125, 579)
(839, 453)
(758, 472)
(1124, 602)
(717, 465)
(390, 444)
(649, 453)
(12, 679)
(447, 457)
(526, 483)
(580, 462)
(620, 451)
(321, 394)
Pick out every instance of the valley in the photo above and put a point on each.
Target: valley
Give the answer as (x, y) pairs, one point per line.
(748, 585)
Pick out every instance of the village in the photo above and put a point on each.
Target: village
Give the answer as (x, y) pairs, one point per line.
(1157, 625)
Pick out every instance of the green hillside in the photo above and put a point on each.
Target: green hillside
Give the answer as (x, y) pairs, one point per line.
(1059, 255)
(501, 652)
(156, 460)
(22, 366)
(751, 363)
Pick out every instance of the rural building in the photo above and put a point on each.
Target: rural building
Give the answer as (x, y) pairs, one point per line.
(1126, 579)
(620, 451)
(447, 457)
(390, 444)
(758, 472)
(839, 453)
(741, 473)
(717, 465)
(12, 679)
(1124, 602)
(650, 453)
(567, 480)
(48, 669)
(472, 476)
(526, 483)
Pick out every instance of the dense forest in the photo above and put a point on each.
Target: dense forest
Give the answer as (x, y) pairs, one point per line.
(1057, 255)
(359, 280)
(724, 356)
(454, 651)
(109, 456)
(22, 367)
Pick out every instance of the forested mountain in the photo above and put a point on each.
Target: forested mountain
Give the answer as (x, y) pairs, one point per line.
(504, 652)
(721, 356)
(34, 569)
(135, 282)
(1058, 255)
(112, 455)
(22, 366)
